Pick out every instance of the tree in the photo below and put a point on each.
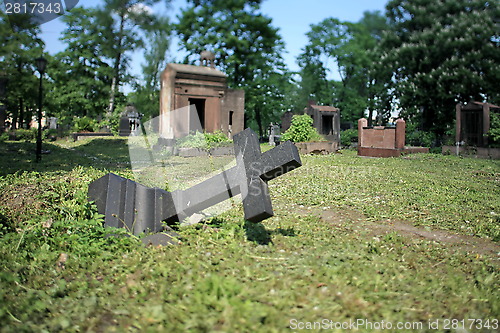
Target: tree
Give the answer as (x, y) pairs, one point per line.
(81, 74)
(19, 48)
(350, 48)
(123, 20)
(146, 96)
(247, 46)
(314, 84)
(442, 52)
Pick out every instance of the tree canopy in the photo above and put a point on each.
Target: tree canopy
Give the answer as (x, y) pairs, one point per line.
(441, 53)
(248, 48)
(418, 58)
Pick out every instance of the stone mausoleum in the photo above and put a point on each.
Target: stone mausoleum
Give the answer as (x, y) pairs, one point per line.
(199, 93)
(326, 119)
(473, 123)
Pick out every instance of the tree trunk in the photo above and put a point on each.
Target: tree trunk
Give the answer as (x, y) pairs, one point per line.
(28, 117)
(115, 82)
(258, 118)
(21, 114)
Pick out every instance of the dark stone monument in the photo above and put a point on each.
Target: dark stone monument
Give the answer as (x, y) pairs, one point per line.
(473, 123)
(326, 119)
(129, 121)
(124, 203)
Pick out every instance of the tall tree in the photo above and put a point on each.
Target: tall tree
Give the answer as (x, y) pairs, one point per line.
(443, 52)
(81, 73)
(124, 20)
(19, 47)
(247, 46)
(314, 85)
(350, 49)
(146, 95)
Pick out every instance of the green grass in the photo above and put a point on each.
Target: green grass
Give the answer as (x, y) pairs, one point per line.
(322, 256)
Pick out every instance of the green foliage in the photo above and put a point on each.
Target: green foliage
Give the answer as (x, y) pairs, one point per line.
(25, 134)
(216, 138)
(301, 130)
(49, 134)
(494, 133)
(248, 49)
(204, 140)
(19, 48)
(352, 48)
(417, 137)
(347, 137)
(85, 124)
(4, 137)
(436, 64)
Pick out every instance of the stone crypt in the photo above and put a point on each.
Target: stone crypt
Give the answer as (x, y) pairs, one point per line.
(203, 93)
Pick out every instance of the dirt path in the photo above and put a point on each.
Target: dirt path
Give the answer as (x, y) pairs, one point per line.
(378, 228)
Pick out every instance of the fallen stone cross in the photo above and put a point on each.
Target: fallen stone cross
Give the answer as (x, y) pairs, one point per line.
(127, 204)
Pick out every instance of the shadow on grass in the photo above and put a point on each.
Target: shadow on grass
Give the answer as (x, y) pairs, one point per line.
(256, 232)
(98, 153)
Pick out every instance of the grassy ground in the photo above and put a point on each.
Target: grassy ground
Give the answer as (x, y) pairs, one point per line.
(402, 240)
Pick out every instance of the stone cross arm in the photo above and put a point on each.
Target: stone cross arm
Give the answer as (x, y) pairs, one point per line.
(249, 177)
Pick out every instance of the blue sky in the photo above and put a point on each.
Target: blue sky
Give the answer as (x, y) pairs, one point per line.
(292, 17)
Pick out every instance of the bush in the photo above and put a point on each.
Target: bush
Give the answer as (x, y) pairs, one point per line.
(216, 139)
(302, 130)
(49, 134)
(203, 140)
(25, 134)
(85, 124)
(4, 137)
(494, 133)
(419, 138)
(347, 137)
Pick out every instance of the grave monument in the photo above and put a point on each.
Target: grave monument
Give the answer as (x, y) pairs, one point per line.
(326, 119)
(471, 130)
(205, 89)
(384, 141)
(124, 203)
(473, 123)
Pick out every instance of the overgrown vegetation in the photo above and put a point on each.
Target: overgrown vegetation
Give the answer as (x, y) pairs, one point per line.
(494, 133)
(204, 140)
(348, 137)
(331, 250)
(302, 130)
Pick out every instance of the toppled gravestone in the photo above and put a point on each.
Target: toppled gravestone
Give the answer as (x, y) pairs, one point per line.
(141, 209)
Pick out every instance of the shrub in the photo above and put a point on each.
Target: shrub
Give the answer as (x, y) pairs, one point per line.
(416, 137)
(347, 137)
(49, 134)
(85, 124)
(25, 134)
(494, 133)
(4, 137)
(203, 140)
(302, 130)
(216, 139)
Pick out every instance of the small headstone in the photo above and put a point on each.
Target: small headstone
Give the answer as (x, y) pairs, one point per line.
(52, 122)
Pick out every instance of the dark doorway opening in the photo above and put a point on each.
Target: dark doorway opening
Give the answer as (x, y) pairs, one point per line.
(327, 125)
(472, 127)
(199, 103)
(231, 114)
